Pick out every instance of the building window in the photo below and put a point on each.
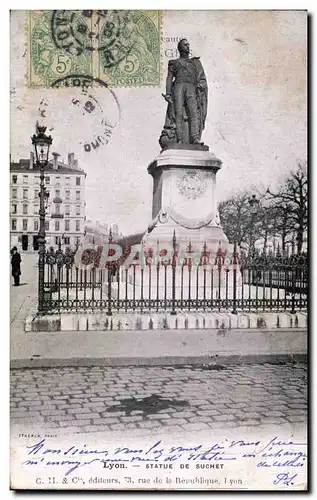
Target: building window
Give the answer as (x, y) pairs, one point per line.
(57, 225)
(47, 225)
(67, 180)
(67, 195)
(77, 195)
(36, 194)
(77, 225)
(36, 209)
(36, 225)
(25, 194)
(77, 209)
(14, 193)
(57, 179)
(14, 179)
(67, 210)
(67, 240)
(14, 209)
(13, 224)
(36, 179)
(57, 208)
(77, 181)
(25, 209)
(47, 180)
(25, 224)
(66, 225)
(58, 193)
(25, 179)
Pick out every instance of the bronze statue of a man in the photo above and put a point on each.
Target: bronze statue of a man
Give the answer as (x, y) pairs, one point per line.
(186, 94)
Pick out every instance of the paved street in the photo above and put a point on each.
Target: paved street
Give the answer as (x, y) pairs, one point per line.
(149, 398)
(188, 398)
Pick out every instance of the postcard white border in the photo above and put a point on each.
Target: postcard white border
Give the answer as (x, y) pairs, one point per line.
(4, 193)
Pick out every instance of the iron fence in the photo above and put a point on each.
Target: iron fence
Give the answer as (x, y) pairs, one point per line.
(238, 283)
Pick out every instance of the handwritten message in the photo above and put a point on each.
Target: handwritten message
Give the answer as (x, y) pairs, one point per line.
(283, 458)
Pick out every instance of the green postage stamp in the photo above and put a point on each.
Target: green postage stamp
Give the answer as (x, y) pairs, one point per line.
(121, 48)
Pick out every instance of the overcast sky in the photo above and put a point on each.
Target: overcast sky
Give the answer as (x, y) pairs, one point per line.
(255, 63)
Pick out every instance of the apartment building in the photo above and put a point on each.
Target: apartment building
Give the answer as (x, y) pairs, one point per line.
(65, 213)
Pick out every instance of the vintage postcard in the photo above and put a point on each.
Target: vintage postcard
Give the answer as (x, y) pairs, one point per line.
(158, 250)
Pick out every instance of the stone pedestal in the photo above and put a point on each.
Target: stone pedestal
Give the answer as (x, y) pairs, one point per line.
(184, 200)
(185, 221)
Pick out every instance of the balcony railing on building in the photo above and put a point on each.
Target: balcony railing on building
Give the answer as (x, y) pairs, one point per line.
(57, 199)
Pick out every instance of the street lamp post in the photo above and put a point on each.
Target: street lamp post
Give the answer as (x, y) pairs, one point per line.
(254, 204)
(41, 143)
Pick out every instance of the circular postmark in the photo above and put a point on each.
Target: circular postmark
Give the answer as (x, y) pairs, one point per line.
(94, 110)
(111, 33)
(70, 31)
(118, 35)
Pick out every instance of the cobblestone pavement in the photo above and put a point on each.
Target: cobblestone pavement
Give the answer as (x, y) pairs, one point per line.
(190, 398)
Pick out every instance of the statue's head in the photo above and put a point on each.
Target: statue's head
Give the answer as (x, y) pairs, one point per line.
(183, 46)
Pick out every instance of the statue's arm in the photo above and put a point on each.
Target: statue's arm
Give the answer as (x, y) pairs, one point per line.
(202, 83)
(169, 79)
(201, 80)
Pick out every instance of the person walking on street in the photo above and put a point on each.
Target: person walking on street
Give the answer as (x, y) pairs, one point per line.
(16, 265)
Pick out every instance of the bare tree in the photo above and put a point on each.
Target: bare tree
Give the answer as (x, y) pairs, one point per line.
(284, 223)
(237, 219)
(266, 222)
(291, 204)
